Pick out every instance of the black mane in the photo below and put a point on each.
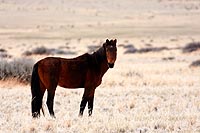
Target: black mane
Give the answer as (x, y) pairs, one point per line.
(99, 56)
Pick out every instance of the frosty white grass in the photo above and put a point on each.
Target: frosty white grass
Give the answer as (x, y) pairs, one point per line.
(117, 109)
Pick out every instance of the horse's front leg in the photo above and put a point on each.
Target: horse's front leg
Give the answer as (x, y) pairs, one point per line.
(90, 105)
(88, 96)
(82, 106)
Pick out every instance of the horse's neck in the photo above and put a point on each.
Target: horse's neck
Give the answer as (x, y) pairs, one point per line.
(100, 54)
(100, 59)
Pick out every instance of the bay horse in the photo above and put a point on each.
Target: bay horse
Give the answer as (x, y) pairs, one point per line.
(85, 71)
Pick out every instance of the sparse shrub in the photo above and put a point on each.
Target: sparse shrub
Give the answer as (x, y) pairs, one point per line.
(92, 48)
(195, 63)
(132, 74)
(3, 54)
(40, 51)
(168, 58)
(191, 47)
(16, 68)
(152, 49)
(2, 50)
(128, 46)
(45, 51)
(27, 53)
(131, 49)
(58, 51)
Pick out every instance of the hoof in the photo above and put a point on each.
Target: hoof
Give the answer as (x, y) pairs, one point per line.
(35, 115)
(80, 115)
(53, 116)
(90, 113)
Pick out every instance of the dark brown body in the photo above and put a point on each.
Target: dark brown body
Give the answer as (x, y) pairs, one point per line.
(72, 73)
(85, 71)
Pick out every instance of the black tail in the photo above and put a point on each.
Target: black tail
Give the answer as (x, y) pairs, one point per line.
(36, 103)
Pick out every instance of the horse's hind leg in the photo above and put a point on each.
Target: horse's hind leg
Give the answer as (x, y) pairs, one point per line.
(37, 102)
(50, 101)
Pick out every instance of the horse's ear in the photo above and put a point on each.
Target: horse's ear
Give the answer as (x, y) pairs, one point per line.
(107, 41)
(104, 45)
(115, 41)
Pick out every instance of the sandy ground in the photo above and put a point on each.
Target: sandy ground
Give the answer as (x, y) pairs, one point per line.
(143, 93)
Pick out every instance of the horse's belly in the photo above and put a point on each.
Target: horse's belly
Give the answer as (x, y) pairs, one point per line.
(70, 85)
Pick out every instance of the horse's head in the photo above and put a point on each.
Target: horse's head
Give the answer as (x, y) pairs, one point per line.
(111, 52)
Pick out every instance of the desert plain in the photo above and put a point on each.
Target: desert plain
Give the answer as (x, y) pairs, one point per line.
(152, 88)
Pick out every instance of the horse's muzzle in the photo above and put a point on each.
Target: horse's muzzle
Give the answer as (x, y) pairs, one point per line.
(110, 65)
